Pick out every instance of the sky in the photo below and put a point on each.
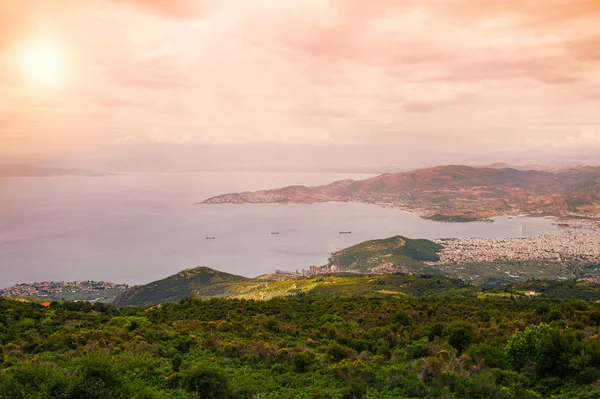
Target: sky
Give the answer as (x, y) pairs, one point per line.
(448, 75)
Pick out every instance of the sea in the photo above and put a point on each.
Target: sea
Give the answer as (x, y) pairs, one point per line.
(140, 227)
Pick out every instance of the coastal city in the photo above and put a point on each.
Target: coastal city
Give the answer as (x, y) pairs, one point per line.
(65, 290)
(582, 246)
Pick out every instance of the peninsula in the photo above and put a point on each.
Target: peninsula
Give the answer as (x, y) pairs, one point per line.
(454, 193)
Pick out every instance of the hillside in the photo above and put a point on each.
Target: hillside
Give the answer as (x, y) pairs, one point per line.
(343, 284)
(362, 269)
(555, 289)
(175, 287)
(388, 255)
(489, 345)
(453, 193)
(367, 268)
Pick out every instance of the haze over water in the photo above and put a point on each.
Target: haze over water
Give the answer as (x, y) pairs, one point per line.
(141, 227)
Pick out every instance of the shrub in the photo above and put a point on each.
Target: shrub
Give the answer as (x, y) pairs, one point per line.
(403, 318)
(206, 382)
(460, 335)
(493, 356)
(523, 346)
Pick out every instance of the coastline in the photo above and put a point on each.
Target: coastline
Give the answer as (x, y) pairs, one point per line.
(565, 221)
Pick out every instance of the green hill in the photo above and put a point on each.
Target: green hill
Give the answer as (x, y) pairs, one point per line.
(391, 254)
(318, 345)
(205, 283)
(344, 284)
(555, 289)
(180, 285)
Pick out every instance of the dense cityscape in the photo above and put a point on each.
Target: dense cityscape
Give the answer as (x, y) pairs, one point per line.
(570, 246)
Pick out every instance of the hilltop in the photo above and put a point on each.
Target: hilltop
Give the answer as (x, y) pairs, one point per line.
(185, 283)
(453, 193)
(388, 255)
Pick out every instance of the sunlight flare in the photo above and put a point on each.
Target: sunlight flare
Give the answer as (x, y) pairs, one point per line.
(43, 63)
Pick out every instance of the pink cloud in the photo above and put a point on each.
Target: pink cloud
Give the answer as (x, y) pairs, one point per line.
(168, 8)
(262, 70)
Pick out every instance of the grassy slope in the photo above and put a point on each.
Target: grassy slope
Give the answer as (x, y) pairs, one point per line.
(555, 289)
(178, 286)
(345, 284)
(397, 252)
(341, 285)
(351, 284)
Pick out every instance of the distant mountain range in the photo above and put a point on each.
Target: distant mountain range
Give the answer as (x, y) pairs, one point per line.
(453, 193)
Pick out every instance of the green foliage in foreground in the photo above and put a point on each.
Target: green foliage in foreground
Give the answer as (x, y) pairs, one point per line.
(308, 346)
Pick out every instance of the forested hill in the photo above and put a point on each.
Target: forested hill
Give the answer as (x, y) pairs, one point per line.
(205, 283)
(405, 254)
(391, 254)
(492, 345)
(343, 284)
(173, 288)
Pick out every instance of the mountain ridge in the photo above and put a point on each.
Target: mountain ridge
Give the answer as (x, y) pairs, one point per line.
(471, 193)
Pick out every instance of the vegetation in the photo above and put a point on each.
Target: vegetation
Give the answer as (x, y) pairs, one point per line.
(375, 257)
(178, 286)
(442, 217)
(396, 252)
(322, 285)
(315, 344)
(205, 283)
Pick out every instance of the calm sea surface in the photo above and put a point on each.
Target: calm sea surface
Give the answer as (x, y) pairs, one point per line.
(141, 227)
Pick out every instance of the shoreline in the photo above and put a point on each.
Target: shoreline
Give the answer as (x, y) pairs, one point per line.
(567, 221)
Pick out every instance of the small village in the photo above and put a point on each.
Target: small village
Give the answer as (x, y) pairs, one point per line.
(311, 271)
(57, 290)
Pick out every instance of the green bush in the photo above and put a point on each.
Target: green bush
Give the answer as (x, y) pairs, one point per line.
(460, 334)
(206, 382)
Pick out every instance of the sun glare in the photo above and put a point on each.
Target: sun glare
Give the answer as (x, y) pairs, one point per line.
(43, 64)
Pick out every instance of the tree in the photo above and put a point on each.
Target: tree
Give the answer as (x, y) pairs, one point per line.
(208, 383)
(523, 346)
(460, 334)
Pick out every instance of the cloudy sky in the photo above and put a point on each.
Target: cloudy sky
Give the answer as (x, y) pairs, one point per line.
(445, 74)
